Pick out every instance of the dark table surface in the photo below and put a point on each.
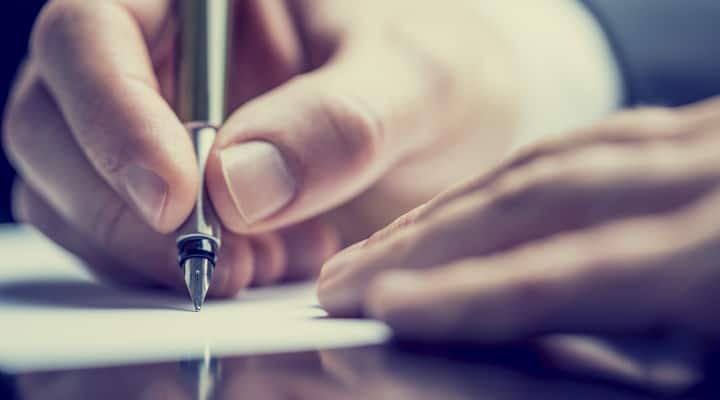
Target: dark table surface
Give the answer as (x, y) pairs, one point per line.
(396, 371)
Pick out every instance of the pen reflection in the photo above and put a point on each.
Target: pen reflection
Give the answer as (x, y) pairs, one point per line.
(361, 373)
(200, 377)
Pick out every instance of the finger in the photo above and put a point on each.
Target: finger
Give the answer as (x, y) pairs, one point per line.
(308, 245)
(266, 50)
(617, 130)
(270, 258)
(582, 189)
(232, 274)
(649, 125)
(646, 127)
(235, 267)
(320, 139)
(48, 158)
(702, 111)
(29, 207)
(295, 253)
(641, 127)
(95, 60)
(630, 276)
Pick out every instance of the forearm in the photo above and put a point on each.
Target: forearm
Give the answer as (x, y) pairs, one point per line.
(553, 58)
(564, 66)
(578, 60)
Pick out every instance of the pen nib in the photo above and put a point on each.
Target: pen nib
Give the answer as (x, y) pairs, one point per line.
(197, 272)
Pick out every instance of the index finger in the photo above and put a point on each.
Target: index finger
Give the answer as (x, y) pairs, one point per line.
(94, 58)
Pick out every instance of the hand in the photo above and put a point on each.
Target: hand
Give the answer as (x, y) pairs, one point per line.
(331, 100)
(612, 230)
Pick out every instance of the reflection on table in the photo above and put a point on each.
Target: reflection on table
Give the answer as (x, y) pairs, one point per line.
(390, 372)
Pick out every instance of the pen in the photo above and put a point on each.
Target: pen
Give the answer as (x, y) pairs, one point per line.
(200, 91)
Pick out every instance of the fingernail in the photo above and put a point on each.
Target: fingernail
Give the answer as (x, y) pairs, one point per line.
(257, 178)
(147, 190)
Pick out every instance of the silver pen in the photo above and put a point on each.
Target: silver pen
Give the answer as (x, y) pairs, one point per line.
(202, 75)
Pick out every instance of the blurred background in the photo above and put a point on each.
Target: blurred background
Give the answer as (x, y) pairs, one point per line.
(15, 27)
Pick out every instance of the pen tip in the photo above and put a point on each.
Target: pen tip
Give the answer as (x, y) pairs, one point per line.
(198, 272)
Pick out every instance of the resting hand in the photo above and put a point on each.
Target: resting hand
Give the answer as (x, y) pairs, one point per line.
(612, 230)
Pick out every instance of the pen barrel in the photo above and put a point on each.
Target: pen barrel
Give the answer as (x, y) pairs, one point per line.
(202, 62)
(203, 221)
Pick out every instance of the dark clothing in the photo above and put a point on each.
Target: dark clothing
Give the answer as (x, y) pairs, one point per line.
(668, 50)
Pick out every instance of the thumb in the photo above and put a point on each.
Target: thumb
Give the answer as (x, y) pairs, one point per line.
(321, 138)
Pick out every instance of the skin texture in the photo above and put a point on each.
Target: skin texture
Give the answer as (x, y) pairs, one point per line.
(362, 111)
(611, 230)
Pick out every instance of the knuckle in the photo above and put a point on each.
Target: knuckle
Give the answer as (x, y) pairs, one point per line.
(404, 245)
(55, 22)
(110, 153)
(399, 224)
(524, 185)
(108, 161)
(58, 27)
(592, 162)
(354, 129)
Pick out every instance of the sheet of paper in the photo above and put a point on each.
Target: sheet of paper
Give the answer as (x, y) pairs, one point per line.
(53, 316)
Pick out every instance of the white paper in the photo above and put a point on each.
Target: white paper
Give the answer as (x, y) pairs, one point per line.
(54, 316)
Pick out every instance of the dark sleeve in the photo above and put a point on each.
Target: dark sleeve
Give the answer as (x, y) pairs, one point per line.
(668, 50)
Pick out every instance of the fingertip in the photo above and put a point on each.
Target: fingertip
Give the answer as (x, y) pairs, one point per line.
(336, 264)
(178, 177)
(162, 199)
(338, 303)
(335, 291)
(174, 210)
